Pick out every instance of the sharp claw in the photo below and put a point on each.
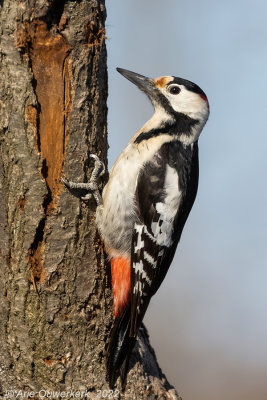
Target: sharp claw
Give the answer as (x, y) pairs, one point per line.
(99, 169)
(65, 181)
(88, 196)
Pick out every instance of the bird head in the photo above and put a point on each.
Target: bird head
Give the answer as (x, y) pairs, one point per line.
(177, 101)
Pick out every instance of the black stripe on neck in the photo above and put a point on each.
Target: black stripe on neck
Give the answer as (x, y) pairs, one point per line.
(182, 125)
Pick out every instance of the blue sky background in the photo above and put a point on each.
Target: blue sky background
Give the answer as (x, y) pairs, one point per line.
(208, 322)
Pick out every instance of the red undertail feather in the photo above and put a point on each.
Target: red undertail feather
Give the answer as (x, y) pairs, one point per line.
(121, 283)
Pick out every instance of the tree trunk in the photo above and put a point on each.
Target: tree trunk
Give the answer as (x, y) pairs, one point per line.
(55, 298)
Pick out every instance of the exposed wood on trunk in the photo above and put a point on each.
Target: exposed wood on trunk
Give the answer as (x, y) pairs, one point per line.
(55, 295)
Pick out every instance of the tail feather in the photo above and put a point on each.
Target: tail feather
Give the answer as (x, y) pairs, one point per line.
(120, 348)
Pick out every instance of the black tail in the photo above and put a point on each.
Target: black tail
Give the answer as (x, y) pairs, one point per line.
(120, 348)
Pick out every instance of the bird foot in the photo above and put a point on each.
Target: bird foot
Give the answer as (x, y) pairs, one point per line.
(85, 191)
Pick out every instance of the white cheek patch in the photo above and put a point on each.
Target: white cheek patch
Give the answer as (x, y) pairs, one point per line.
(188, 102)
(192, 105)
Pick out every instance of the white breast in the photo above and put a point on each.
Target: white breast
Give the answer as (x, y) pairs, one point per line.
(116, 217)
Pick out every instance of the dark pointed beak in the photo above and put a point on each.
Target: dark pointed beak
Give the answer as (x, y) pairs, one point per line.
(145, 84)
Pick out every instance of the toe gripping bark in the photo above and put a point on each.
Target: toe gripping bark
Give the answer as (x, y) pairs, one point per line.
(85, 191)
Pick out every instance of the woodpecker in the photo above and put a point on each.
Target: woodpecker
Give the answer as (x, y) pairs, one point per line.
(145, 204)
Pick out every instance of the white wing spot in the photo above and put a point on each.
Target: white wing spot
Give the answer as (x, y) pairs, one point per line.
(140, 243)
(161, 252)
(163, 228)
(138, 287)
(150, 259)
(151, 237)
(139, 267)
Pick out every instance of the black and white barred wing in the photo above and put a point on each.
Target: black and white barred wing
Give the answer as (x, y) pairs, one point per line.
(145, 267)
(153, 243)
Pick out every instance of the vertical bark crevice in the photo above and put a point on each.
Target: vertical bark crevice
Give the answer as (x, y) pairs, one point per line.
(48, 55)
(50, 63)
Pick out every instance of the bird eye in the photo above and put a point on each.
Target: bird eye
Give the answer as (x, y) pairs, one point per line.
(174, 90)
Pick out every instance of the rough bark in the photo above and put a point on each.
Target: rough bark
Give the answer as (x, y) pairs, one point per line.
(55, 296)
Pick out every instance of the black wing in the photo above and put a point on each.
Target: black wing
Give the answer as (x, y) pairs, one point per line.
(165, 192)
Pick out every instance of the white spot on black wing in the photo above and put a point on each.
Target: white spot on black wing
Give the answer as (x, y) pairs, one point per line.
(163, 205)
